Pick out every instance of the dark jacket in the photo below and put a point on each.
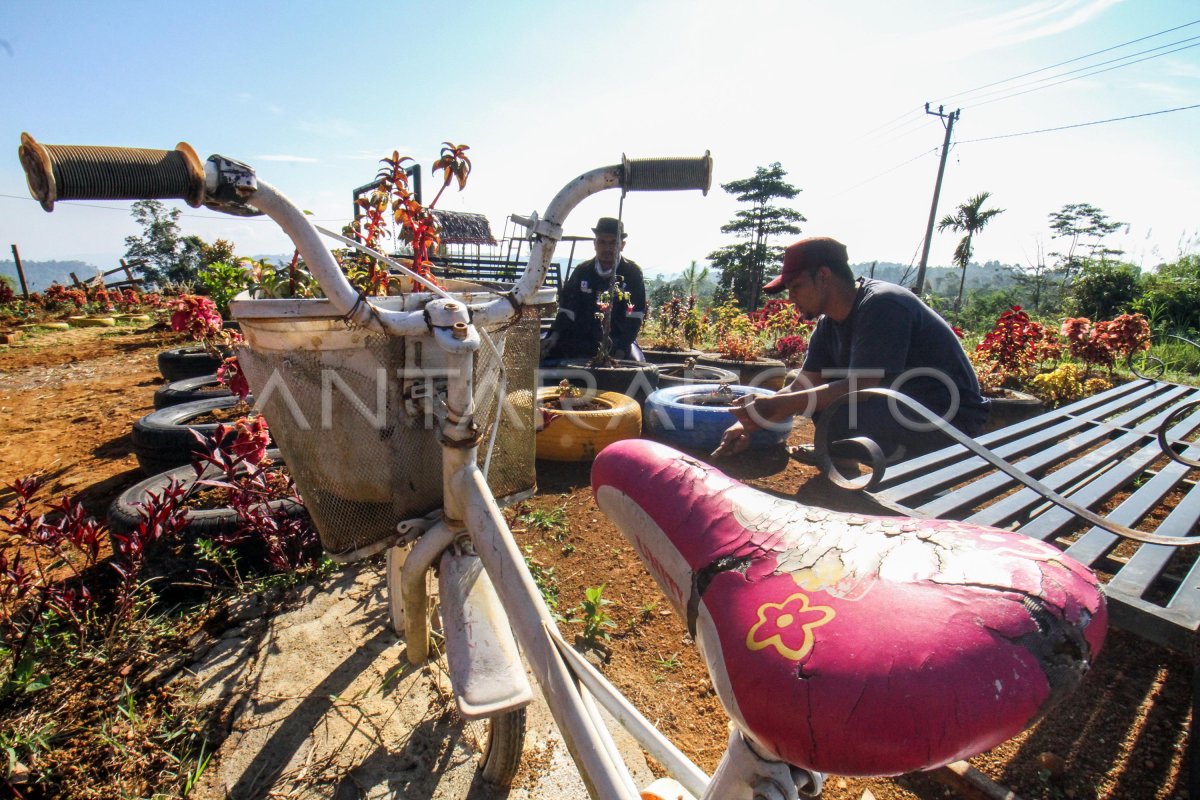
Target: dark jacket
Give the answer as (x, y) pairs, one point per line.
(579, 332)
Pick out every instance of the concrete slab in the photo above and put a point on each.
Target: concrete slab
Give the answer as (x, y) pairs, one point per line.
(319, 702)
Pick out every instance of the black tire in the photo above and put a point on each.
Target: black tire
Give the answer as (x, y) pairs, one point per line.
(765, 373)
(667, 357)
(163, 439)
(635, 379)
(190, 390)
(500, 739)
(186, 362)
(680, 375)
(123, 514)
(500, 745)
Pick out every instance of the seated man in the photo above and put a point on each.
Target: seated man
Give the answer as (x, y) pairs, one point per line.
(578, 329)
(869, 333)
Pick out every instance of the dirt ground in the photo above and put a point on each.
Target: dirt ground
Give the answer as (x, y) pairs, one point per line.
(68, 400)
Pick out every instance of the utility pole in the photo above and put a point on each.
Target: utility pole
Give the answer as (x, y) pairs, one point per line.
(947, 120)
(20, 272)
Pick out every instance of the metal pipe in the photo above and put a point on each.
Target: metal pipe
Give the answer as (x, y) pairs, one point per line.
(677, 765)
(425, 551)
(528, 614)
(605, 737)
(547, 232)
(346, 301)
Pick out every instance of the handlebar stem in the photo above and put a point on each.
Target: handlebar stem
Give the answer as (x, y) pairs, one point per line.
(346, 301)
(549, 230)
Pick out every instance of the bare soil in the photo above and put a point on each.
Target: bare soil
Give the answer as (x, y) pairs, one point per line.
(68, 400)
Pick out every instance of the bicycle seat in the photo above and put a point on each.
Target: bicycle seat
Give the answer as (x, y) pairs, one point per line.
(852, 644)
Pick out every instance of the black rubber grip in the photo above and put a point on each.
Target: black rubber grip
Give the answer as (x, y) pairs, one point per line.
(666, 174)
(83, 172)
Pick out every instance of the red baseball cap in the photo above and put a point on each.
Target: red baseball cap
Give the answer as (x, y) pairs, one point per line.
(804, 255)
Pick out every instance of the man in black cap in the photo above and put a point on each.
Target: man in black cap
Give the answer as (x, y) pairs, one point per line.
(869, 333)
(607, 279)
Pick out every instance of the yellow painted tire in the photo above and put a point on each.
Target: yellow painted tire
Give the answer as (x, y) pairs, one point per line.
(580, 435)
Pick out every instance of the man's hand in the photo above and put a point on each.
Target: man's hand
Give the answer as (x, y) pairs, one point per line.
(748, 411)
(735, 439)
(548, 344)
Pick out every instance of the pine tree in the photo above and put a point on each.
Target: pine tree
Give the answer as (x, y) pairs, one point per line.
(747, 265)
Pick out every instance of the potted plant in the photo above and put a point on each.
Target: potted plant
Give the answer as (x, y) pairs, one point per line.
(602, 372)
(742, 353)
(667, 341)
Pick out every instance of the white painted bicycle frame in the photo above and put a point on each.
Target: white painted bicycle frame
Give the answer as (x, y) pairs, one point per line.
(569, 684)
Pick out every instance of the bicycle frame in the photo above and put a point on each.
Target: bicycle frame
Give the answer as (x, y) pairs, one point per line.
(470, 513)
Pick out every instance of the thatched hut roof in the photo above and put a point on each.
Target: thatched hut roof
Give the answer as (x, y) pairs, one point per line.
(459, 227)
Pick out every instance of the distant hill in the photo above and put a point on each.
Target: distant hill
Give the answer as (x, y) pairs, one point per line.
(40, 274)
(942, 280)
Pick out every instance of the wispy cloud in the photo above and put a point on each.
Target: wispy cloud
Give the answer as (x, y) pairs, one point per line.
(293, 159)
(1024, 23)
(1181, 69)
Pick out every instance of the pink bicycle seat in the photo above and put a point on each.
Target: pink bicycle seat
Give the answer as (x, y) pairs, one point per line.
(850, 644)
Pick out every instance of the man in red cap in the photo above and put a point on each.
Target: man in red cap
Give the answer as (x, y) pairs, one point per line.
(869, 333)
(605, 279)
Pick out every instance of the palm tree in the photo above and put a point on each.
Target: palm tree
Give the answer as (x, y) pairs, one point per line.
(968, 218)
(693, 278)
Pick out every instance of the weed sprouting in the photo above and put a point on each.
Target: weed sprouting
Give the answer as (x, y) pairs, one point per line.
(592, 615)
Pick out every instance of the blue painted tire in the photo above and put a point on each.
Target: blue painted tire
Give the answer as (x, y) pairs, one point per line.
(670, 416)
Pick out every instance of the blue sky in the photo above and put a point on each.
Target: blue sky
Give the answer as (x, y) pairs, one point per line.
(312, 94)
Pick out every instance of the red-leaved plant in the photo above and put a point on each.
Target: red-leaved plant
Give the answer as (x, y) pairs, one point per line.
(791, 349)
(1014, 348)
(392, 201)
(1101, 343)
(234, 460)
(47, 575)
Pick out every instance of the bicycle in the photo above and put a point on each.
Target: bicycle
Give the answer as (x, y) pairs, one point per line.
(898, 644)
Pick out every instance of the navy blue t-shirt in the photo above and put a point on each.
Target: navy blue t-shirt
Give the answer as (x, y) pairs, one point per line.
(891, 329)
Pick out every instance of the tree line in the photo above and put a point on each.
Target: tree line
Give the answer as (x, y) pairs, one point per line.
(1081, 275)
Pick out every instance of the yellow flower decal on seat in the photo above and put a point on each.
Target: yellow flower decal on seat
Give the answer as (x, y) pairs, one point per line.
(788, 626)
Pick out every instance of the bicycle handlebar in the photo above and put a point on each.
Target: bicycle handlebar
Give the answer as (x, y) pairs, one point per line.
(79, 172)
(666, 174)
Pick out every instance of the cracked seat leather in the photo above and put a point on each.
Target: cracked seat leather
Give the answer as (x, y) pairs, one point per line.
(852, 644)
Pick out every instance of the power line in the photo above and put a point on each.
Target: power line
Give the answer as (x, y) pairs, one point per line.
(891, 123)
(1073, 60)
(182, 214)
(885, 172)
(1085, 75)
(1077, 125)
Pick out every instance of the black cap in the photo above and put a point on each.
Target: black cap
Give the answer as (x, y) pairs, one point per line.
(610, 225)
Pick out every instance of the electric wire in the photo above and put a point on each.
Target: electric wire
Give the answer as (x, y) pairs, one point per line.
(885, 172)
(1072, 60)
(84, 204)
(1078, 125)
(1085, 75)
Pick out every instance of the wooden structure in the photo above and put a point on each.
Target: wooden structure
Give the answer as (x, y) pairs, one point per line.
(127, 267)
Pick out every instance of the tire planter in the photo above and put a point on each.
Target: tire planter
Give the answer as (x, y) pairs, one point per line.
(566, 435)
(673, 416)
(670, 356)
(186, 362)
(636, 379)
(207, 523)
(123, 515)
(91, 322)
(163, 439)
(189, 390)
(683, 375)
(1012, 407)
(767, 373)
